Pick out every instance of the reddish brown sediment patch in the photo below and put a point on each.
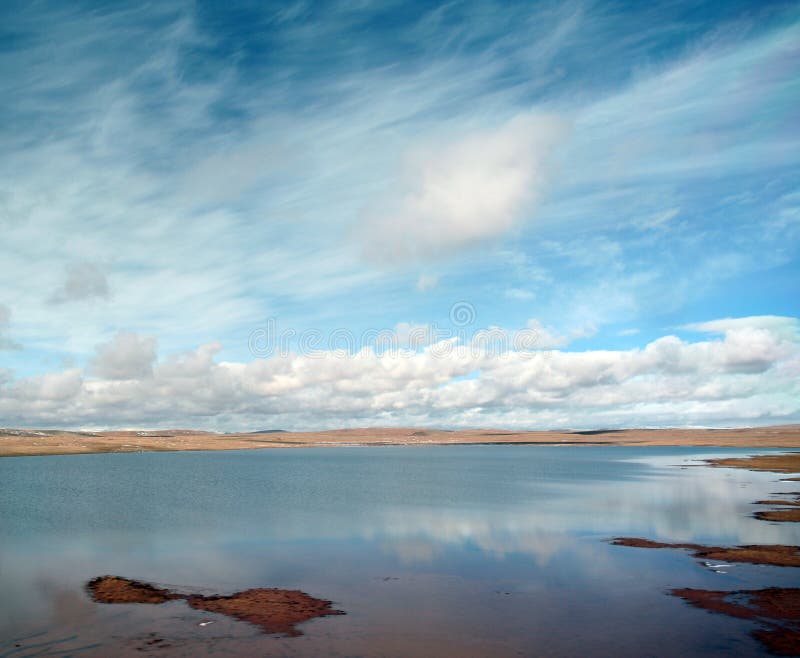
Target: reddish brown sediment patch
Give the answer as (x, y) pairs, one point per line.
(112, 589)
(790, 515)
(788, 510)
(789, 503)
(273, 610)
(777, 608)
(785, 463)
(775, 555)
(781, 603)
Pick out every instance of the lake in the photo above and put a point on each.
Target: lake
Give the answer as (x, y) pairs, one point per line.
(431, 551)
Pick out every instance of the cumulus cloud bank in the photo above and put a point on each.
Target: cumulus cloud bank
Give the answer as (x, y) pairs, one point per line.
(127, 356)
(456, 194)
(751, 374)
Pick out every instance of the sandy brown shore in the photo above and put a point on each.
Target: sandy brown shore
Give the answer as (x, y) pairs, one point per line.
(15, 442)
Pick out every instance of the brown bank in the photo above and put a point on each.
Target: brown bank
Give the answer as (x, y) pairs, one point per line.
(22, 442)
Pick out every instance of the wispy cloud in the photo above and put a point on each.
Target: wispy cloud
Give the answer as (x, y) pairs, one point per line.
(427, 282)
(5, 320)
(82, 281)
(167, 173)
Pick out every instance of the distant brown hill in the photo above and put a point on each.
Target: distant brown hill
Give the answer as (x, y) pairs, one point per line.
(19, 442)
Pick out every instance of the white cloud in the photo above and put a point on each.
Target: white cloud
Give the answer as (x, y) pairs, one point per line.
(47, 392)
(772, 323)
(744, 377)
(427, 282)
(658, 220)
(226, 175)
(5, 321)
(82, 281)
(547, 337)
(519, 293)
(127, 356)
(413, 336)
(472, 189)
(666, 125)
(130, 186)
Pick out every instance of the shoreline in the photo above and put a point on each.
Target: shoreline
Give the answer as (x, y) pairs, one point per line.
(29, 443)
(776, 610)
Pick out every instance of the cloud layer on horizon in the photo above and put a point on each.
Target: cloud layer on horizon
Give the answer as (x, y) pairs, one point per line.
(749, 375)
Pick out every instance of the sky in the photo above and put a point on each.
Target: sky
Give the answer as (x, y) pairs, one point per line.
(247, 215)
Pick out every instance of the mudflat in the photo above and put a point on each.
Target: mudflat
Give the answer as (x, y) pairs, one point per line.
(22, 442)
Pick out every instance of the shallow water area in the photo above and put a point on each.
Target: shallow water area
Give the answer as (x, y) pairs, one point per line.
(431, 551)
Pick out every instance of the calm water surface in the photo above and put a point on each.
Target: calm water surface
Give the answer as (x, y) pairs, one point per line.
(431, 551)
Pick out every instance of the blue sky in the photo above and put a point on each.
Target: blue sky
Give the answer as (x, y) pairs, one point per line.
(175, 176)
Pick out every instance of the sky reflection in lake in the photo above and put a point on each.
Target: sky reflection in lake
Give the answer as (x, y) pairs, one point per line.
(463, 550)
